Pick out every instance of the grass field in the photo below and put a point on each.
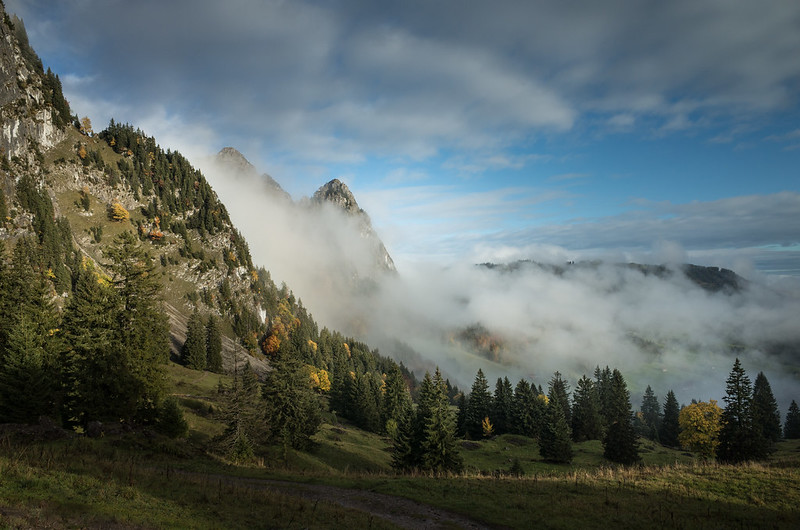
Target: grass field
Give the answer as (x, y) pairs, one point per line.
(143, 480)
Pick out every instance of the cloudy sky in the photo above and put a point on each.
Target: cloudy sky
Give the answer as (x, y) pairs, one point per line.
(658, 131)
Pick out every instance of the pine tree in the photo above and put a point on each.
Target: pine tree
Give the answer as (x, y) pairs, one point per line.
(241, 412)
(766, 417)
(440, 452)
(738, 438)
(791, 428)
(26, 391)
(479, 405)
(141, 328)
(620, 443)
(587, 423)
(396, 400)
(405, 456)
(501, 406)
(293, 412)
(651, 414)
(555, 444)
(193, 352)
(670, 428)
(558, 389)
(170, 420)
(213, 345)
(522, 409)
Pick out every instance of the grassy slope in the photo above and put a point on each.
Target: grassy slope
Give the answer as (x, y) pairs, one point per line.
(131, 481)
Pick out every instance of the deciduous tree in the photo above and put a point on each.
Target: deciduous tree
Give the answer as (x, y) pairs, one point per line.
(700, 426)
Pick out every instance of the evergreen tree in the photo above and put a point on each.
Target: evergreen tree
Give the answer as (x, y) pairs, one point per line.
(170, 420)
(791, 428)
(522, 409)
(396, 400)
(461, 416)
(670, 428)
(193, 352)
(95, 387)
(141, 328)
(25, 389)
(502, 405)
(213, 345)
(439, 448)
(587, 423)
(766, 417)
(479, 405)
(651, 414)
(558, 389)
(405, 455)
(602, 381)
(293, 412)
(241, 412)
(555, 444)
(738, 438)
(620, 443)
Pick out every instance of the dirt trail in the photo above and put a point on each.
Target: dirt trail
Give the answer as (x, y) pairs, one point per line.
(402, 512)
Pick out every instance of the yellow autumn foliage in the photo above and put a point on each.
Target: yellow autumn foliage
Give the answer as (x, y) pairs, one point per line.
(118, 212)
(700, 425)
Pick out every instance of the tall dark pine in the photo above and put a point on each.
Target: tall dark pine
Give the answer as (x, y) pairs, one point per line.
(501, 406)
(737, 438)
(651, 414)
(559, 389)
(479, 405)
(620, 443)
(586, 421)
(440, 452)
(193, 352)
(213, 345)
(670, 428)
(766, 417)
(555, 439)
(292, 410)
(791, 428)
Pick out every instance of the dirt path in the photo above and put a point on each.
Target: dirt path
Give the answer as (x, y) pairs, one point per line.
(402, 512)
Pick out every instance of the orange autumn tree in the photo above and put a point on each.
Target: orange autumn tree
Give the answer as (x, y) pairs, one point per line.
(280, 327)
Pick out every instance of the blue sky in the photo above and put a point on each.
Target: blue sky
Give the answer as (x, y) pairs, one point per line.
(632, 130)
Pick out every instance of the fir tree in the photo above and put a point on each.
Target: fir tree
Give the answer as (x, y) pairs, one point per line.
(766, 417)
(439, 448)
(213, 345)
(651, 415)
(396, 400)
(791, 428)
(620, 444)
(522, 409)
(558, 389)
(405, 456)
(25, 388)
(738, 439)
(193, 352)
(586, 421)
(670, 428)
(502, 405)
(292, 410)
(479, 405)
(170, 420)
(555, 444)
(241, 412)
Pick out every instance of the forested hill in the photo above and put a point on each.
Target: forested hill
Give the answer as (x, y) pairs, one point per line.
(117, 256)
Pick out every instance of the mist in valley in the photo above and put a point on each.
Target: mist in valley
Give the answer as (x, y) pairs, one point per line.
(665, 332)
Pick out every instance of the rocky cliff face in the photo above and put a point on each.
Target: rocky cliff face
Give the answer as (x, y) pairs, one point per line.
(26, 110)
(337, 193)
(230, 158)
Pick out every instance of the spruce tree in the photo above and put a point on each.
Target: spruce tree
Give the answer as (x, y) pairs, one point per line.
(213, 345)
(651, 414)
(292, 410)
(620, 443)
(479, 405)
(738, 438)
(26, 391)
(141, 328)
(440, 452)
(791, 428)
(241, 412)
(555, 439)
(405, 454)
(193, 352)
(501, 406)
(170, 420)
(766, 417)
(586, 421)
(670, 427)
(559, 389)
(522, 409)
(396, 400)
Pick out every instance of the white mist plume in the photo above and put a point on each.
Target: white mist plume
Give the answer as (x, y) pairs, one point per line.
(663, 332)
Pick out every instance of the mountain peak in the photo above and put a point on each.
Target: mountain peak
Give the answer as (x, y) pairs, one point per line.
(231, 158)
(337, 192)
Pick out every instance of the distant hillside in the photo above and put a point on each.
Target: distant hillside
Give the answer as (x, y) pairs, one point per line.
(712, 279)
